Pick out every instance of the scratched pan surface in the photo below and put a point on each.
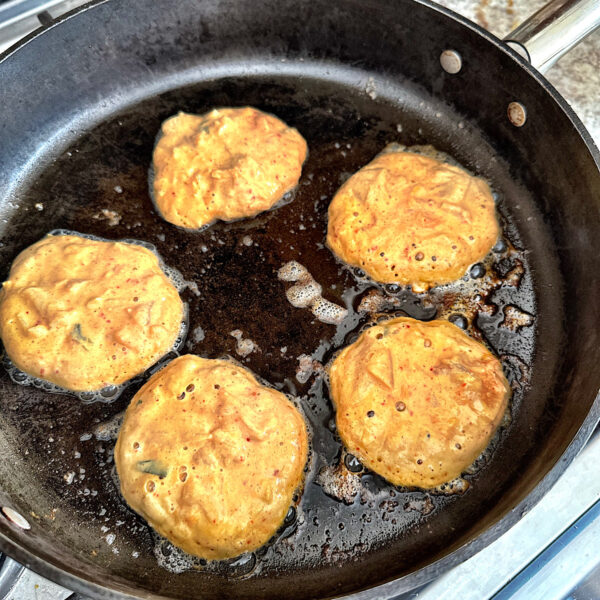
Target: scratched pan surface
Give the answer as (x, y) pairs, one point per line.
(78, 134)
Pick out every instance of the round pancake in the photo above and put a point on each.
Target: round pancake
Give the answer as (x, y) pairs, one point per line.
(409, 219)
(227, 164)
(210, 457)
(417, 402)
(85, 314)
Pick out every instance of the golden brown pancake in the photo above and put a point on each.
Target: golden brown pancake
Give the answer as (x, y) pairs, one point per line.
(409, 219)
(227, 164)
(417, 402)
(210, 457)
(85, 314)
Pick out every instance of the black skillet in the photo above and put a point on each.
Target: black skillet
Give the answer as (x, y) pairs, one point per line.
(80, 104)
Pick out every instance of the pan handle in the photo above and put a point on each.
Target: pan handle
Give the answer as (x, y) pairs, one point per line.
(554, 30)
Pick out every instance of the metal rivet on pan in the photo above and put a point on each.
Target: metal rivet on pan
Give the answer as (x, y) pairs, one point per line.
(14, 517)
(517, 114)
(451, 61)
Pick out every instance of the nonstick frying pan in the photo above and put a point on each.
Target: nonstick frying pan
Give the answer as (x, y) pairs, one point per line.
(81, 102)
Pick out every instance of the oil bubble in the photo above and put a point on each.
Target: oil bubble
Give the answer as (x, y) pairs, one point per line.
(339, 483)
(109, 391)
(303, 296)
(292, 271)
(170, 557)
(477, 271)
(241, 567)
(307, 294)
(244, 346)
(515, 318)
(107, 394)
(173, 559)
(456, 486)
(290, 517)
(328, 312)
(500, 246)
(352, 463)
(109, 430)
(459, 321)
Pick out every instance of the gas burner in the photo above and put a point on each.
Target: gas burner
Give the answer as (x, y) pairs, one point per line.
(10, 571)
(20, 17)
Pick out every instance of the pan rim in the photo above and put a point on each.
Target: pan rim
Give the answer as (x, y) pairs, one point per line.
(431, 5)
(424, 574)
(385, 591)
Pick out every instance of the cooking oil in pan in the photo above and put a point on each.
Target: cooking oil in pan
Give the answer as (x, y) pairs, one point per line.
(173, 559)
(234, 267)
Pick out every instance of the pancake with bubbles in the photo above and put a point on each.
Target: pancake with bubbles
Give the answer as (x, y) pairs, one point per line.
(227, 164)
(86, 314)
(411, 218)
(417, 402)
(210, 457)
